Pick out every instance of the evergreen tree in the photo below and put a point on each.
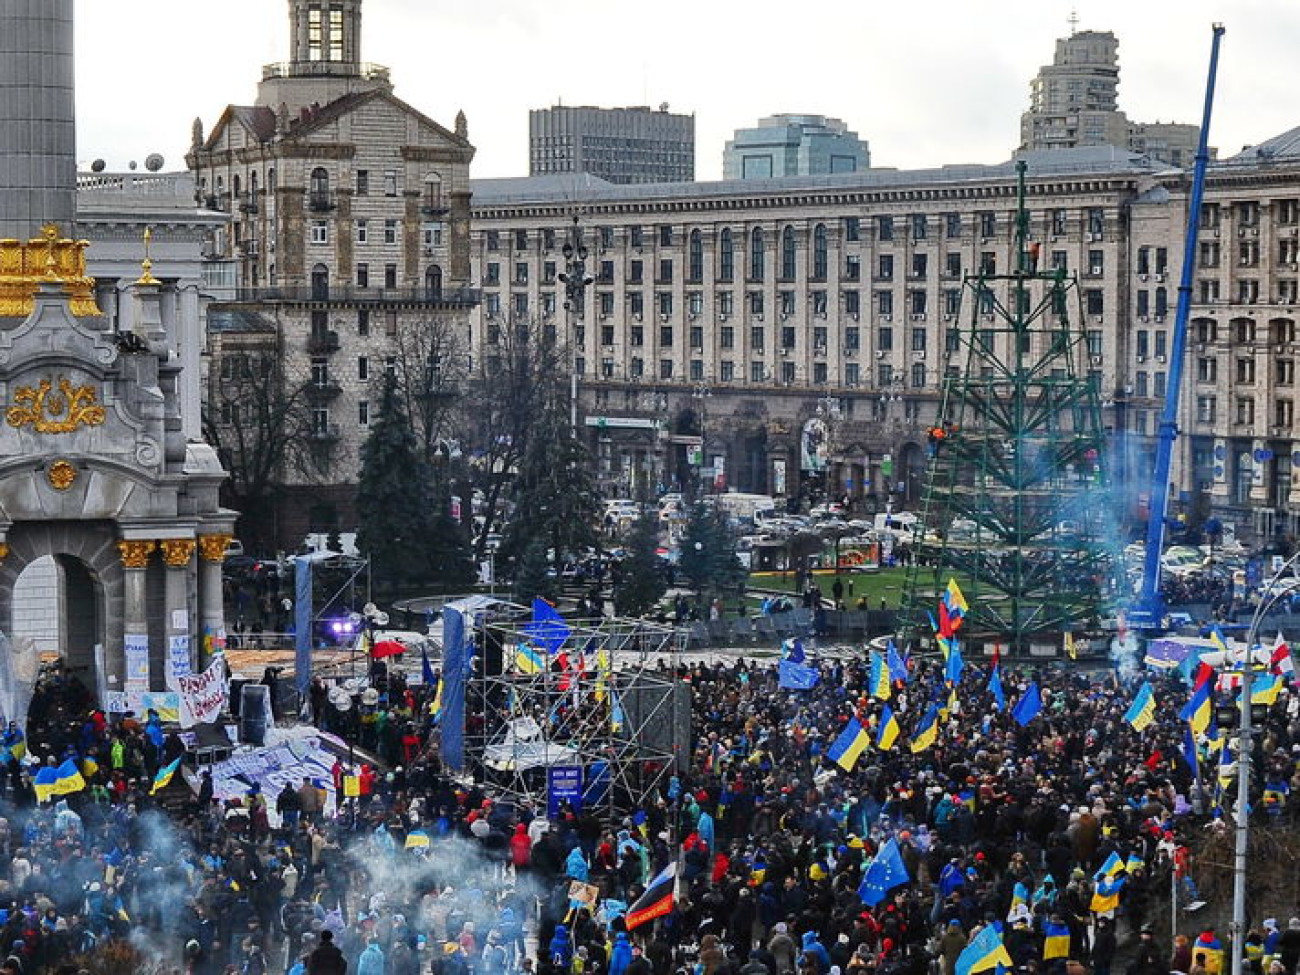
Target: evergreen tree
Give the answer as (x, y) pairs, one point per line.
(556, 502)
(708, 554)
(643, 583)
(531, 576)
(408, 537)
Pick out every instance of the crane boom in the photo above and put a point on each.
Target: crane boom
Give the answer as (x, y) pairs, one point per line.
(1149, 612)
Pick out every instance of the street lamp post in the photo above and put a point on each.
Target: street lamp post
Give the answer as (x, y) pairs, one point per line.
(701, 395)
(828, 409)
(1244, 749)
(575, 280)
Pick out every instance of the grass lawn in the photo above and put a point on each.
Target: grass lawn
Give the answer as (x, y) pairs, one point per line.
(887, 584)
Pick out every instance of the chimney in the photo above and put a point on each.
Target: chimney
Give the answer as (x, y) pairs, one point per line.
(38, 165)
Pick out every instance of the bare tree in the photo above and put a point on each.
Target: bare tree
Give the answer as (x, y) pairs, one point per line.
(432, 366)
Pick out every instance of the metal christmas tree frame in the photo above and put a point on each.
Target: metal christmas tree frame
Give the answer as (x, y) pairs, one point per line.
(605, 695)
(1016, 504)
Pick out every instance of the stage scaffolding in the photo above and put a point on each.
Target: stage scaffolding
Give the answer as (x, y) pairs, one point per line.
(600, 696)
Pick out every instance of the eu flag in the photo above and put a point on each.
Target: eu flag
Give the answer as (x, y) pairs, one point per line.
(1030, 703)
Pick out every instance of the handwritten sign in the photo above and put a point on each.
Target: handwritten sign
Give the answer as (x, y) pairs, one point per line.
(203, 696)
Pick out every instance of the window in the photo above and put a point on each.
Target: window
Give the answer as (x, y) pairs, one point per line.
(606, 303)
(695, 257)
(390, 275)
(917, 302)
(1058, 223)
(433, 235)
(1096, 263)
(787, 253)
(1092, 339)
(363, 413)
(820, 373)
(666, 336)
(756, 267)
(852, 338)
(852, 374)
(757, 373)
(696, 370)
(818, 303)
(519, 306)
(727, 337)
(664, 299)
(363, 182)
(607, 335)
(787, 372)
(918, 339)
(665, 270)
(920, 265)
(787, 337)
(885, 339)
(492, 273)
(853, 267)
(521, 240)
(952, 265)
(726, 303)
(853, 303)
(493, 240)
(1245, 371)
(363, 322)
(1143, 303)
(665, 368)
(605, 276)
(635, 272)
(756, 338)
(884, 228)
(318, 195)
(320, 232)
(951, 302)
(1285, 371)
(637, 335)
(636, 236)
(1245, 411)
(952, 225)
(390, 183)
(1143, 348)
(988, 263)
(606, 237)
(666, 236)
(363, 368)
(884, 302)
(885, 267)
(820, 336)
(786, 299)
(363, 231)
(1094, 301)
(918, 375)
(1248, 213)
(988, 224)
(521, 272)
(637, 367)
(726, 256)
(727, 371)
(636, 303)
(819, 252)
(920, 226)
(1097, 224)
(852, 229)
(1205, 409)
(363, 275)
(756, 303)
(390, 231)
(1162, 302)
(1283, 413)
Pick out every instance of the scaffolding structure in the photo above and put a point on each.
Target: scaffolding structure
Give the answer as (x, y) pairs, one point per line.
(599, 696)
(1016, 504)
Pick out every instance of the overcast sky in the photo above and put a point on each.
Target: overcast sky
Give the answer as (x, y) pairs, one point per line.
(926, 82)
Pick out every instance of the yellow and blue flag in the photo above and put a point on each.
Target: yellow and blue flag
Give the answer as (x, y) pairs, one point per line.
(879, 679)
(1143, 709)
(1019, 899)
(849, 746)
(985, 951)
(955, 600)
(889, 730)
(417, 839)
(1265, 688)
(1198, 709)
(164, 776)
(528, 660)
(1056, 941)
(927, 731)
(1105, 897)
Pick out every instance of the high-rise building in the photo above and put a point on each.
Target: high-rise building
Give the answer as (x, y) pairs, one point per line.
(349, 233)
(794, 145)
(621, 145)
(1074, 102)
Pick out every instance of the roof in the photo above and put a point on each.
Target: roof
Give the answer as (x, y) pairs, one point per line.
(574, 187)
(1284, 146)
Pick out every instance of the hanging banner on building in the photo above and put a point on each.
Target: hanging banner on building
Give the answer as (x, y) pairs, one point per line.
(140, 703)
(778, 477)
(814, 446)
(178, 658)
(136, 650)
(203, 696)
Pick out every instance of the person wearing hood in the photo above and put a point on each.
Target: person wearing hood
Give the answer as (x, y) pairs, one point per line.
(951, 943)
(781, 947)
(812, 948)
(621, 954)
(371, 961)
(521, 847)
(560, 950)
(575, 865)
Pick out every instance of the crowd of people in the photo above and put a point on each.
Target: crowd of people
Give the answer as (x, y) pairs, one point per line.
(996, 821)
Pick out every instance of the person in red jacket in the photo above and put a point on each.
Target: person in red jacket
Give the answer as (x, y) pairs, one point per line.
(521, 848)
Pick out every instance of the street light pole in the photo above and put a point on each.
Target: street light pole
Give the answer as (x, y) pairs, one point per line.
(575, 280)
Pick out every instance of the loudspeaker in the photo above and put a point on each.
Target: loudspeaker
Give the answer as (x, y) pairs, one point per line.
(659, 715)
(254, 713)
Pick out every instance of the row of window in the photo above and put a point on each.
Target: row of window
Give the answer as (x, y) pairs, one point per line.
(431, 232)
(1207, 412)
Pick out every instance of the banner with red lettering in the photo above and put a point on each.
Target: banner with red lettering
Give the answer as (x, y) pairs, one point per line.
(203, 696)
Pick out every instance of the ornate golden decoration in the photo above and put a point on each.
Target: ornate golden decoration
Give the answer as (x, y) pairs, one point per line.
(135, 553)
(49, 410)
(146, 266)
(4, 551)
(177, 552)
(213, 547)
(61, 474)
(25, 264)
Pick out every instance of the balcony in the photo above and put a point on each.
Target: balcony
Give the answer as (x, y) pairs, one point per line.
(325, 434)
(323, 343)
(319, 202)
(248, 204)
(434, 206)
(323, 392)
(352, 295)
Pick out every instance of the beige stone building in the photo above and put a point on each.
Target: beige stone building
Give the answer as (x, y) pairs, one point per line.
(748, 312)
(350, 229)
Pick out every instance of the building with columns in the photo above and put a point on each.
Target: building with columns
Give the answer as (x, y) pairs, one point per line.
(768, 316)
(348, 246)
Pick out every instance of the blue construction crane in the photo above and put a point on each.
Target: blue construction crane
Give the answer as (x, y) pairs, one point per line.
(1149, 612)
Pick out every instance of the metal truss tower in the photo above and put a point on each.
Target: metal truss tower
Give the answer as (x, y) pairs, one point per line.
(606, 701)
(1016, 505)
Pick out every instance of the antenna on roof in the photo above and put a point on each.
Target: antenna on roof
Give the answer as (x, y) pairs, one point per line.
(1074, 21)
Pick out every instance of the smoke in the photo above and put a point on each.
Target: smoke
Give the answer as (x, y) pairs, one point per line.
(1124, 653)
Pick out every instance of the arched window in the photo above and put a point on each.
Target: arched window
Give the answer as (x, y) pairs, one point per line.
(319, 190)
(695, 259)
(236, 186)
(726, 256)
(787, 253)
(320, 283)
(819, 252)
(433, 282)
(756, 255)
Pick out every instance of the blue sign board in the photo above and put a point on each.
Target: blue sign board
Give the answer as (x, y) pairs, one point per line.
(563, 784)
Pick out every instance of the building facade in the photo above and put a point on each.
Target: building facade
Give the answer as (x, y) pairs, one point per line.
(794, 145)
(1074, 102)
(620, 145)
(349, 234)
(758, 316)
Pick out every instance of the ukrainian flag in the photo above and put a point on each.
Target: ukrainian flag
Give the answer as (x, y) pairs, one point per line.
(985, 951)
(68, 779)
(1113, 865)
(164, 776)
(888, 731)
(1265, 689)
(1019, 898)
(1070, 650)
(1198, 709)
(1106, 896)
(879, 678)
(435, 706)
(417, 839)
(528, 660)
(1143, 709)
(955, 600)
(1056, 941)
(927, 731)
(850, 744)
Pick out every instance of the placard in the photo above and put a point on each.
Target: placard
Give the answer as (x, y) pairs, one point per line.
(563, 784)
(136, 650)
